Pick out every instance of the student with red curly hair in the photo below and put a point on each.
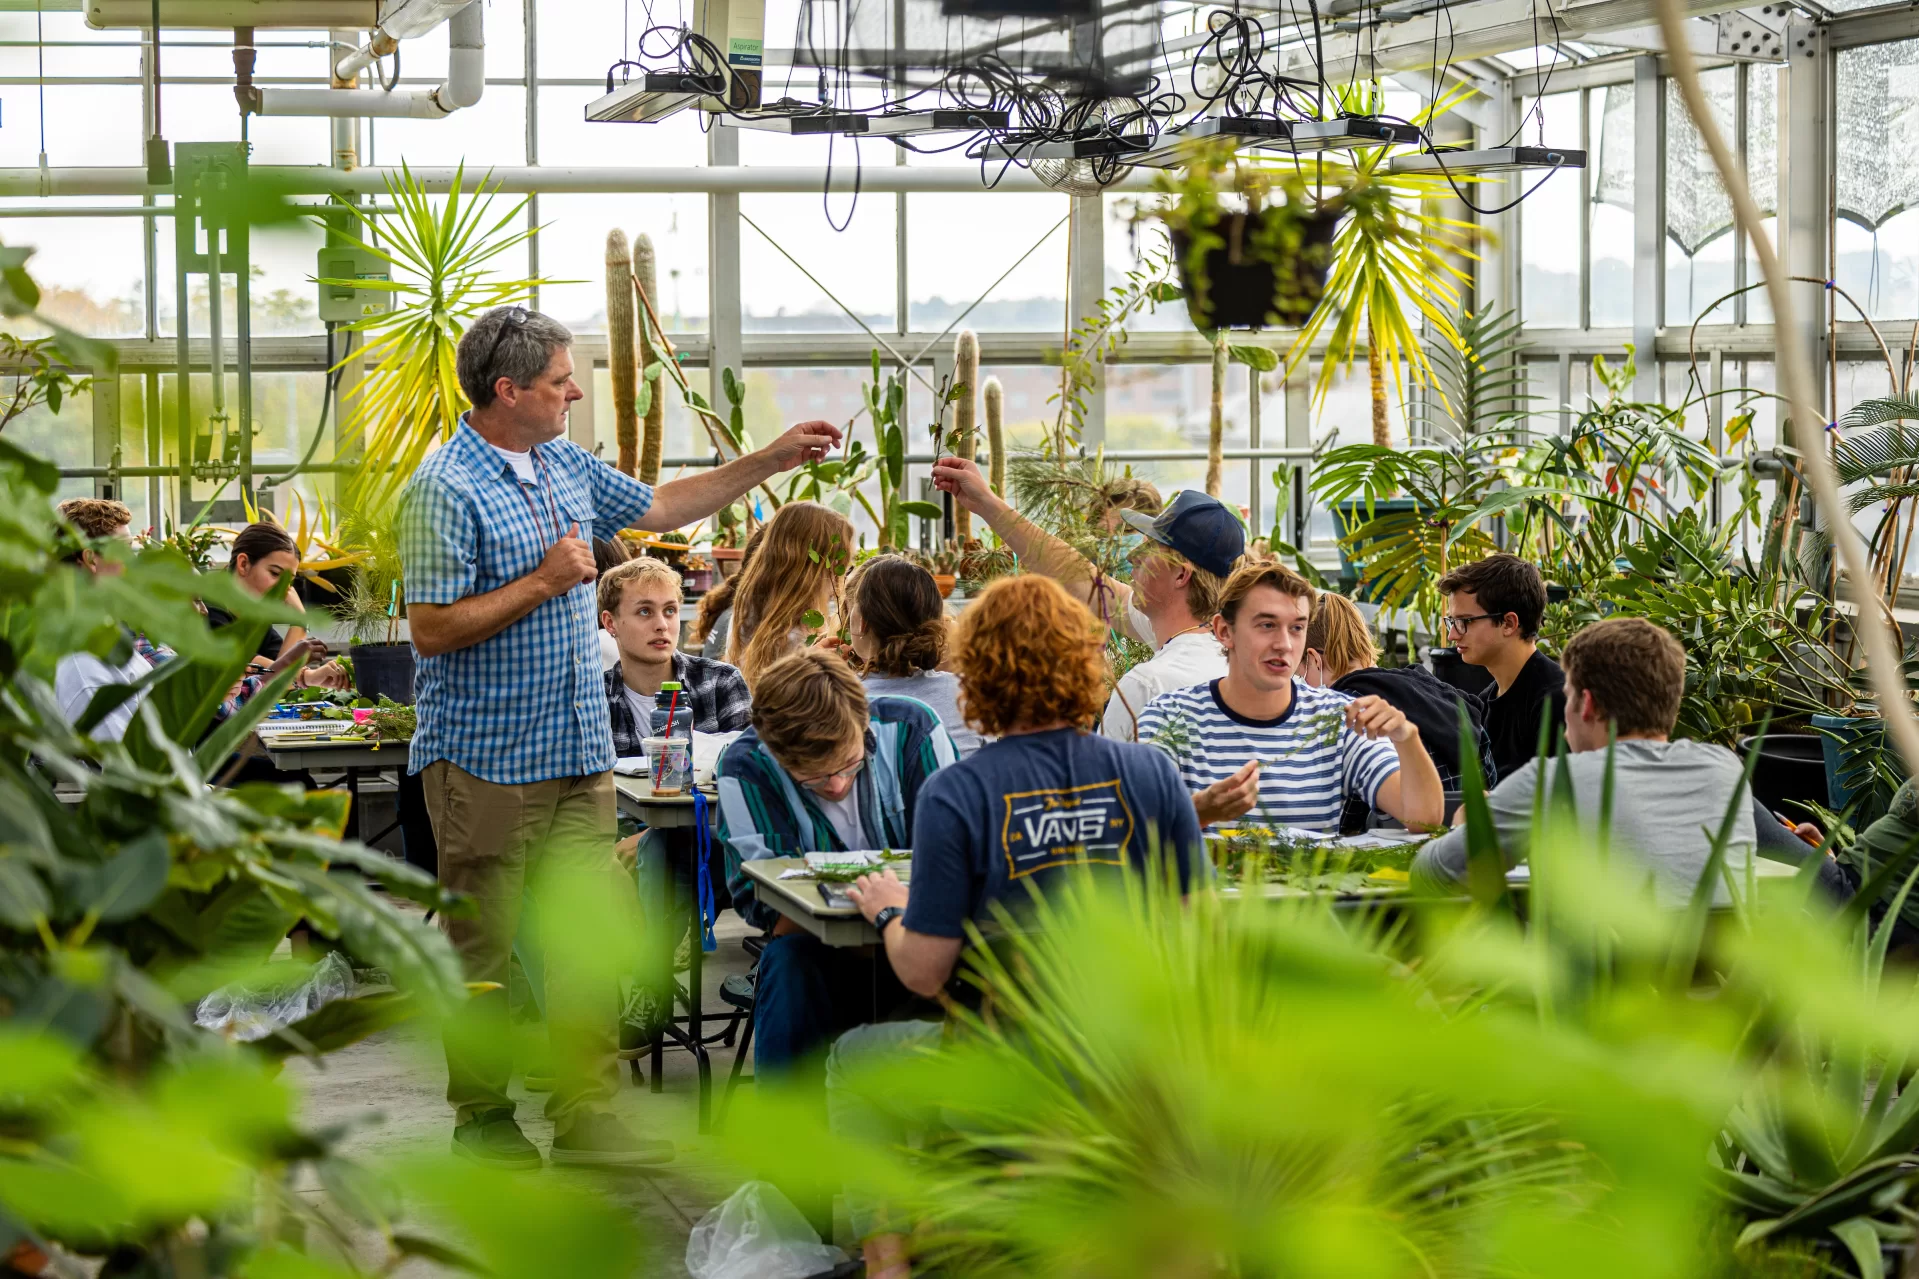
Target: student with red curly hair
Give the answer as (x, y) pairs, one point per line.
(1048, 795)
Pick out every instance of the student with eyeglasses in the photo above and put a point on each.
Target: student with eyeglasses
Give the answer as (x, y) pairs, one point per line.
(824, 768)
(1493, 610)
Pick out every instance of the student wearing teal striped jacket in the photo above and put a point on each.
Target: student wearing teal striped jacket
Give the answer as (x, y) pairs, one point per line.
(824, 768)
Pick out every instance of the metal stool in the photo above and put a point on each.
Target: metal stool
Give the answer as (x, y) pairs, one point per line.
(740, 991)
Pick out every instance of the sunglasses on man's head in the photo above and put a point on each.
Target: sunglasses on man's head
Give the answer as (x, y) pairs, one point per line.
(515, 318)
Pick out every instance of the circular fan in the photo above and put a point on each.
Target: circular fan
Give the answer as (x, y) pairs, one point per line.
(1078, 177)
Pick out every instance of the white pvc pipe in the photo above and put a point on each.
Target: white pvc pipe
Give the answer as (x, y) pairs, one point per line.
(721, 180)
(465, 82)
(349, 67)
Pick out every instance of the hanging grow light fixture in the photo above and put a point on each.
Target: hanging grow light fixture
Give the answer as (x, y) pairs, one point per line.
(1489, 160)
(1175, 146)
(1305, 136)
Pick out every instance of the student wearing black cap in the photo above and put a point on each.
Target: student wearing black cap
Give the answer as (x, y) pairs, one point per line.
(1185, 554)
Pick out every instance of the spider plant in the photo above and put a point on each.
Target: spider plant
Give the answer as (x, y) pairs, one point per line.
(440, 251)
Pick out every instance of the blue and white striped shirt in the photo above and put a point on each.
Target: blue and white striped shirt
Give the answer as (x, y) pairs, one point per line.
(1310, 762)
(529, 704)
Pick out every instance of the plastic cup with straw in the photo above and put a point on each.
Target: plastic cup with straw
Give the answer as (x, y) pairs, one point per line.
(672, 705)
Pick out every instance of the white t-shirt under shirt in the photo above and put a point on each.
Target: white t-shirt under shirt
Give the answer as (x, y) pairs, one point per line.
(1309, 760)
(1183, 661)
(844, 814)
(522, 463)
(642, 704)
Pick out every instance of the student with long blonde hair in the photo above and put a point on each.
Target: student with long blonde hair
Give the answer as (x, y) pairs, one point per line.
(804, 552)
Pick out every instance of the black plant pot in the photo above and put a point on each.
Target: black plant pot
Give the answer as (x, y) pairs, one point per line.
(1790, 774)
(1244, 291)
(383, 670)
(1451, 669)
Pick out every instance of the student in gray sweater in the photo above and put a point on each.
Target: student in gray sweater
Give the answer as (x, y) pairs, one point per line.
(1669, 797)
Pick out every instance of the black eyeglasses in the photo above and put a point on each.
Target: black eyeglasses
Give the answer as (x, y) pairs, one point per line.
(515, 317)
(1458, 622)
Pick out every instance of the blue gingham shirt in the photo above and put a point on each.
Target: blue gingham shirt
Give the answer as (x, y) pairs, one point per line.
(529, 704)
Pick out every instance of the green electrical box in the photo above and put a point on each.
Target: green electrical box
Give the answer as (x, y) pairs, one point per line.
(342, 302)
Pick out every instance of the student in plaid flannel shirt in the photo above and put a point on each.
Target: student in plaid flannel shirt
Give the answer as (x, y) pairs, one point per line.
(640, 608)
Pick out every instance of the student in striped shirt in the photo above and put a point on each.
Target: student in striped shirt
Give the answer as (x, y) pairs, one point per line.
(1262, 741)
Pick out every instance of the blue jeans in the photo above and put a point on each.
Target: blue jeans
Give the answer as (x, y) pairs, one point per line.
(808, 994)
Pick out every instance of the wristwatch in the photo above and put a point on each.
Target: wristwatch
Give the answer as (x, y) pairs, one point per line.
(885, 917)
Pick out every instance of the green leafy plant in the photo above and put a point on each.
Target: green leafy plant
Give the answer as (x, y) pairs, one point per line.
(1394, 247)
(1093, 339)
(440, 252)
(1221, 199)
(36, 374)
(886, 408)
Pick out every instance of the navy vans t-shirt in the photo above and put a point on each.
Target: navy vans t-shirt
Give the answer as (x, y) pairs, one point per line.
(1023, 808)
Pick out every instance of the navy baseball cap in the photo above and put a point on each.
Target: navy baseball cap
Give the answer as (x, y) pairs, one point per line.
(1197, 526)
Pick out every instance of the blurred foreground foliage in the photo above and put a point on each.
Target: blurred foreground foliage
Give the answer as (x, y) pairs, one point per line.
(133, 1143)
(1239, 1084)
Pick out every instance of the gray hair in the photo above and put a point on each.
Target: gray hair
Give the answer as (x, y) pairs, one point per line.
(508, 341)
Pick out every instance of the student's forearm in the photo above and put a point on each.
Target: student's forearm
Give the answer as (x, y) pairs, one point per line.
(1421, 801)
(1041, 552)
(447, 628)
(680, 502)
(922, 962)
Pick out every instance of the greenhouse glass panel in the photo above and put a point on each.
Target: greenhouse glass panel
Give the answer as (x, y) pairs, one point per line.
(1549, 257)
(784, 238)
(1699, 248)
(957, 247)
(1878, 98)
(1611, 251)
(572, 244)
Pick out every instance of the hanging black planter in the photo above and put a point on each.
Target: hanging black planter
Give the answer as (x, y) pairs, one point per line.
(1245, 290)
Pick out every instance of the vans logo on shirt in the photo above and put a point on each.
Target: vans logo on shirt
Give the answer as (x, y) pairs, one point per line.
(1048, 828)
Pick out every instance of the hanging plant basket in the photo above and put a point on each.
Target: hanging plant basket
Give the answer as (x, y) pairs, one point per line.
(1248, 283)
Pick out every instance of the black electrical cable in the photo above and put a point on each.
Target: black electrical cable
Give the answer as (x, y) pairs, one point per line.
(335, 368)
(392, 83)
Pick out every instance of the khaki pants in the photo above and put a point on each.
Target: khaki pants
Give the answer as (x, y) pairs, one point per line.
(493, 840)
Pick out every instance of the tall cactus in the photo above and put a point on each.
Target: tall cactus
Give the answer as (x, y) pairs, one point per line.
(966, 416)
(622, 357)
(1216, 426)
(995, 397)
(646, 276)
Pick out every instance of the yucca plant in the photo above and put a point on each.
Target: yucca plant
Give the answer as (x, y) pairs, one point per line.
(1395, 258)
(440, 251)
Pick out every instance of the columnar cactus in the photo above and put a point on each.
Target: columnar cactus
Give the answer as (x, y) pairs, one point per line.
(995, 397)
(966, 416)
(646, 276)
(622, 357)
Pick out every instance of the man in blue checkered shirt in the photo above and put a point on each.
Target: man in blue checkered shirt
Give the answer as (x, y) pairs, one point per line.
(514, 748)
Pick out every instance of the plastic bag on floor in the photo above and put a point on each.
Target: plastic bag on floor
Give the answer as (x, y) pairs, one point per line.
(757, 1234)
(247, 1013)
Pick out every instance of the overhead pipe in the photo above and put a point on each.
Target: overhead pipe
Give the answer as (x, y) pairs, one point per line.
(567, 179)
(465, 80)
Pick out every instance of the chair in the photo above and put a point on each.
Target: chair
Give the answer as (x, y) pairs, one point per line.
(739, 991)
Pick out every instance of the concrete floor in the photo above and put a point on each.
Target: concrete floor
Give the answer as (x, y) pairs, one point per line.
(390, 1091)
